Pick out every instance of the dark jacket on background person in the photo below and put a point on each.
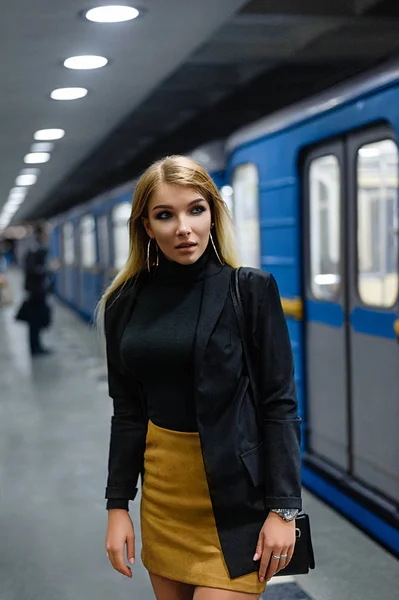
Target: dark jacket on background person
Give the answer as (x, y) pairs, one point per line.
(249, 469)
(36, 271)
(34, 310)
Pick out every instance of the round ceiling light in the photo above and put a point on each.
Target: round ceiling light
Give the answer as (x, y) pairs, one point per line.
(26, 179)
(18, 191)
(35, 158)
(85, 62)
(42, 147)
(17, 196)
(71, 93)
(49, 134)
(112, 14)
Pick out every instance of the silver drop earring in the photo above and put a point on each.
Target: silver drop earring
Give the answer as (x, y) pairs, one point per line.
(148, 255)
(214, 247)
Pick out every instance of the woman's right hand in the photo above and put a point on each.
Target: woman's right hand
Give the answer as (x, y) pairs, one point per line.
(120, 531)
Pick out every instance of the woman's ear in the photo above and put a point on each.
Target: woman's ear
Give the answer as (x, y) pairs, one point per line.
(147, 226)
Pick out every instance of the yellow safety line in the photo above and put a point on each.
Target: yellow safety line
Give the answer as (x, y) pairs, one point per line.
(293, 307)
(396, 328)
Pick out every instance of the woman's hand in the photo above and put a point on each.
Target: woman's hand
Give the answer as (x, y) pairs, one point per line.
(276, 539)
(120, 532)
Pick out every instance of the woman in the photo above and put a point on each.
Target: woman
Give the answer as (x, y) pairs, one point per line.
(183, 412)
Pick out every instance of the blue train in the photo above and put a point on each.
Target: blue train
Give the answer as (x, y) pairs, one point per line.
(313, 190)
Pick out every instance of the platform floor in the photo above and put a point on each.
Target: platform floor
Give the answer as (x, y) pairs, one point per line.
(54, 432)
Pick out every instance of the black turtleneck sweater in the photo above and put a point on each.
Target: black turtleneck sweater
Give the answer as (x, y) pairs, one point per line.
(158, 342)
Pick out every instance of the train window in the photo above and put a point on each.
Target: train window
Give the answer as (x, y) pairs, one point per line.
(103, 240)
(227, 196)
(88, 242)
(68, 243)
(377, 223)
(120, 217)
(324, 217)
(245, 204)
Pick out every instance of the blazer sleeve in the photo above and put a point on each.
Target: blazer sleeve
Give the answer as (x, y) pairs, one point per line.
(128, 430)
(277, 392)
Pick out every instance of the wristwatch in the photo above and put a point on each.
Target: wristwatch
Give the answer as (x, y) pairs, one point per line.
(288, 514)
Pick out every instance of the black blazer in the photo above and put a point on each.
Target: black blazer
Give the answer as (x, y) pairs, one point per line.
(249, 469)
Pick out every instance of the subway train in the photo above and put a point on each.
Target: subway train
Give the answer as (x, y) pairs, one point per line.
(313, 191)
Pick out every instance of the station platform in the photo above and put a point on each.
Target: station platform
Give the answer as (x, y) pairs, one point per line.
(54, 432)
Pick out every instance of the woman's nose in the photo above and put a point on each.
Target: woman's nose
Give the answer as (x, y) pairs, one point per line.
(183, 228)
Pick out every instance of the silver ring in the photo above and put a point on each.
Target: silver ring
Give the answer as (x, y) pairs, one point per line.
(285, 556)
(276, 557)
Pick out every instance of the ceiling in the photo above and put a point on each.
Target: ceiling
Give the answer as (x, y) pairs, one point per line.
(184, 73)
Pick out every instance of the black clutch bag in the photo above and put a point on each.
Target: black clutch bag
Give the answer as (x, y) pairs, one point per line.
(303, 557)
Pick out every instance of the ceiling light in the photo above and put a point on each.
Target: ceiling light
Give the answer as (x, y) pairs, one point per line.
(42, 147)
(18, 191)
(15, 198)
(15, 201)
(35, 158)
(49, 134)
(30, 171)
(71, 93)
(26, 179)
(9, 210)
(85, 62)
(112, 14)
(4, 222)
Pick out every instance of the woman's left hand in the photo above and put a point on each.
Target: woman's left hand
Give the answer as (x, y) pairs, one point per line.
(275, 546)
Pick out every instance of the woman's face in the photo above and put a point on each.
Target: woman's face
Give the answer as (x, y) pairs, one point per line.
(179, 219)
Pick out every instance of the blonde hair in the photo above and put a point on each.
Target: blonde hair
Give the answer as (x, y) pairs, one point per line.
(172, 170)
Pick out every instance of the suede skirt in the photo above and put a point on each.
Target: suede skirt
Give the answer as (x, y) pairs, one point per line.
(179, 535)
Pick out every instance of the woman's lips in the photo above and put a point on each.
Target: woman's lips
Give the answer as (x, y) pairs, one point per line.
(189, 248)
(185, 246)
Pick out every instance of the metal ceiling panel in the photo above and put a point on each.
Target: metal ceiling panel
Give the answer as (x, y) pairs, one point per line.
(162, 95)
(38, 36)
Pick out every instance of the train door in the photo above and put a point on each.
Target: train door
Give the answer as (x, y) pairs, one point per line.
(373, 307)
(351, 216)
(326, 335)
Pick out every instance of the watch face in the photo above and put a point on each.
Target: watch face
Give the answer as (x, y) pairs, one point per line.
(290, 513)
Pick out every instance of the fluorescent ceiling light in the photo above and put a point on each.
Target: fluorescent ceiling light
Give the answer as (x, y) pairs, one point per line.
(26, 179)
(85, 62)
(42, 147)
(13, 199)
(70, 93)
(30, 171)
(15, 202)
(49, 134)
(36, 158)
(112, 14)
(10, 210)
(18, 191)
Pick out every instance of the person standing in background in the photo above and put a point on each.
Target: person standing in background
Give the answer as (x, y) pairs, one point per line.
(35, 310)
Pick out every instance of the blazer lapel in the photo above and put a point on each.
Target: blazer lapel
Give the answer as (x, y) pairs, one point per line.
(213, 299)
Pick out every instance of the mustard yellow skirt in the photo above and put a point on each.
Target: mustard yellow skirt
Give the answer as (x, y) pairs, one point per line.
(179, 535)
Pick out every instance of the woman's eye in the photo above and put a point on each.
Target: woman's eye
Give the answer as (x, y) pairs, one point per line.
(198, 210)
(163, 215)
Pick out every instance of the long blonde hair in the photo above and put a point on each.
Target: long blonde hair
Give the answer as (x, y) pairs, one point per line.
(172, 170)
